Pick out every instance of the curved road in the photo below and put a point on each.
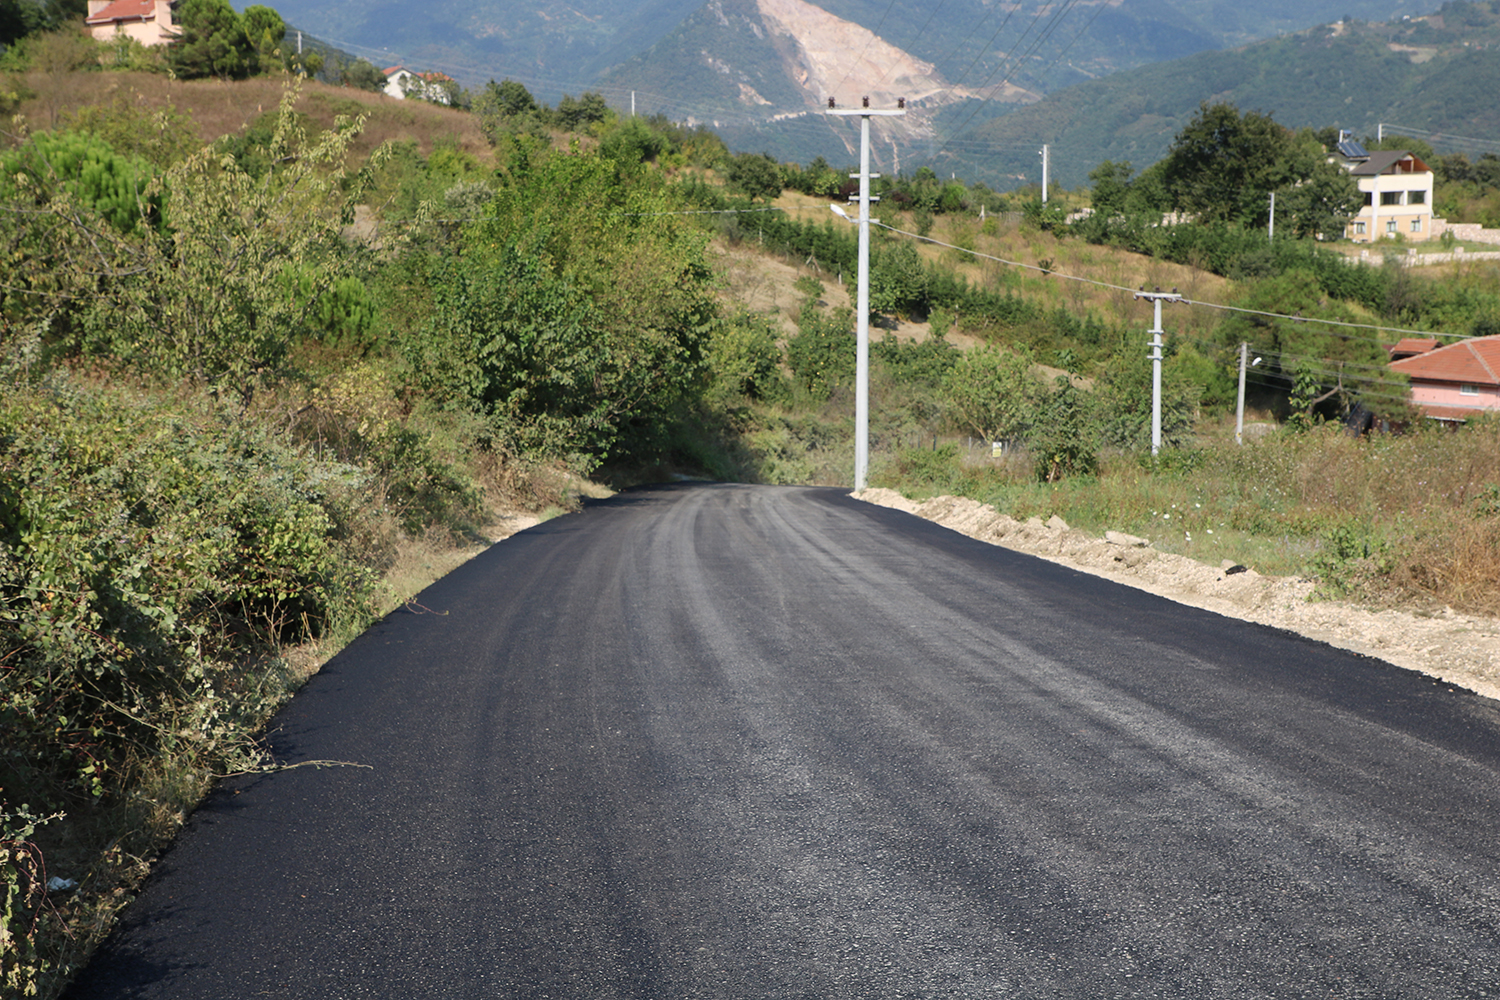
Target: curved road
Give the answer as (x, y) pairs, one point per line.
(752, 742)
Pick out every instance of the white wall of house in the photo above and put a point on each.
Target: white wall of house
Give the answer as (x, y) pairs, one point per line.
(395, 81)
(147, 21)
(1399, 201)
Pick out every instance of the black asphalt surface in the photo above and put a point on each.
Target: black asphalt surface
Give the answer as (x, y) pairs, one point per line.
(718, 741)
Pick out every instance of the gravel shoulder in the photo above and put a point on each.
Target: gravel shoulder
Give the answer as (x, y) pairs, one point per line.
(1461, 650)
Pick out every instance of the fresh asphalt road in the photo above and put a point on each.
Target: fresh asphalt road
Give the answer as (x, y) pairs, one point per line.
(753, 742)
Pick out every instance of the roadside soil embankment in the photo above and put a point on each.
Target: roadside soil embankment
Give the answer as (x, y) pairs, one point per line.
(1461, 650)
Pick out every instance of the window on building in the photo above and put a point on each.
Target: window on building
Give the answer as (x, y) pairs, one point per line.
(1369, 199)
(1390, 197)
(1416, 197)
(1390, 225)
(1416, 225)
(1359, 229)
(1468, 390)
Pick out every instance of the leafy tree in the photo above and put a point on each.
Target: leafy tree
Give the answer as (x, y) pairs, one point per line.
(159, 136)
(507, 108)
(817, 178)
(18, 18)
(743, 357)
(1354, 367)
(1314, 198)
(508, 97)
(822, 354)
(577, 115)
(1123, 394)
(754, 175)
(1223, 165)
(898, 279)
(1065, 443)
(362, 75)
(1111, 185)
(995, 394)
(213, 42)
(632, 142)
(573, 320)
(210, 303)
(265, 31)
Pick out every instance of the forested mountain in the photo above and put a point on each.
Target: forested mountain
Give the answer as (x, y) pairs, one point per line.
(987, 82)
(1039, 46)
(1436, 74)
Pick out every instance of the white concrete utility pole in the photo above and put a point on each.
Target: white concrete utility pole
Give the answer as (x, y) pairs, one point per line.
(1157, 298)
(1045, 165)
(862, 331)
(1239, 406)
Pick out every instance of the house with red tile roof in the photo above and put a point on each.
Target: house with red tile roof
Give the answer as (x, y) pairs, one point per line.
(1408, 347)
(147, 21)
(1456, 381)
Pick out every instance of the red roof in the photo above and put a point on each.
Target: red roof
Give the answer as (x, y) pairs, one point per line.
(125, 10)
(1452, 412)
(1408, 346)
(1469, 362)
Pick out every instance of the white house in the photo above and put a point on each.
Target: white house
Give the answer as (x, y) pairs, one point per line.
(402, 82)
(1397, 188)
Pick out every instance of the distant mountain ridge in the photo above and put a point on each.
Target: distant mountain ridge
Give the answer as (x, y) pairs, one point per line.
(1438, 73)
(987, 81)
(1039, 45)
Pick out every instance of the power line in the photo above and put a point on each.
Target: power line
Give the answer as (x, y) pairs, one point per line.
(1446, 137)
(1185, 301)
(1010, 66)
(874, 37)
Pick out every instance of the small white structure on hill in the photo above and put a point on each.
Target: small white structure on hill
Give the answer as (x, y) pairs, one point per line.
(403, 83)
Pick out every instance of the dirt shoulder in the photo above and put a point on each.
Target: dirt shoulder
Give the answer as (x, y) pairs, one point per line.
(1460, 649)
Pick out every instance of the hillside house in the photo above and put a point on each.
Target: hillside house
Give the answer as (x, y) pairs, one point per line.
(1454, 382)
(403, 83)
(147, 21)
(1397, 188)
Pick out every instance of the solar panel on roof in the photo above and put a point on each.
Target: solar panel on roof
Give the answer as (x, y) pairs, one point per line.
(1353, 149)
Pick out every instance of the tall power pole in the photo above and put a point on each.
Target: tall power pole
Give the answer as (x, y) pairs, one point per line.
(862, 331)
(1045, 166)
(1239, 405)
(1157, 298)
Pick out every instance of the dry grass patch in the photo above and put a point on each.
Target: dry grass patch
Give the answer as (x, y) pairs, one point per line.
(221, 108)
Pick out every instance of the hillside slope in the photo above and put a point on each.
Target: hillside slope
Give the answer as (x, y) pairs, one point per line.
(1035, 44)
(1437, 73)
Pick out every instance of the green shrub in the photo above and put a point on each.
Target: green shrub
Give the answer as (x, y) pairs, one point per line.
(822, 354)
(142, 546)
(118, 188)
(744, 359)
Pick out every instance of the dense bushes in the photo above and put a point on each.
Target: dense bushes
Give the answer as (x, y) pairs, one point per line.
(138, 538)
(574, 314)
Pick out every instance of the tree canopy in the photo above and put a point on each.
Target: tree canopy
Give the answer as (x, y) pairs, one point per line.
(1224, 165)
(213, 42)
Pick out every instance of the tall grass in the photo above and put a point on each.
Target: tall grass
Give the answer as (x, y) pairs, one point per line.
(1410, 519)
